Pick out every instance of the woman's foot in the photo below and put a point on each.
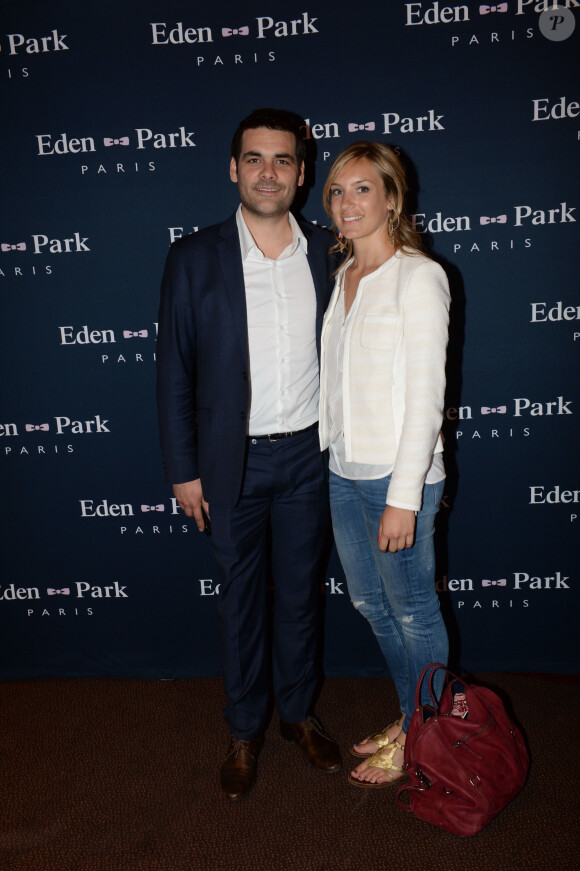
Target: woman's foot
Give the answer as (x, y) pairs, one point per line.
(382, 768)
(373, 743)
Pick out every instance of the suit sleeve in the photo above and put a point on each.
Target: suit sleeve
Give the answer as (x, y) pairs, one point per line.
(176, 372)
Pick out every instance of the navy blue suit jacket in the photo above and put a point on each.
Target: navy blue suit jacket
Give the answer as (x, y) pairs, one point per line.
(203, 366)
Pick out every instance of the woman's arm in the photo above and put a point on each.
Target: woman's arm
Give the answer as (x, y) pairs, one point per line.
(426, 319)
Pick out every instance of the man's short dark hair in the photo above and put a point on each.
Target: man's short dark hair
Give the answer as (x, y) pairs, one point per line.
(273, 119)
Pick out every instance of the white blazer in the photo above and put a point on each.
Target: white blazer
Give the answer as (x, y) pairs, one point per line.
(393, 371)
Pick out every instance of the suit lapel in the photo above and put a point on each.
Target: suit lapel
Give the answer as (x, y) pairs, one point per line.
(317, 261)
(230, 258)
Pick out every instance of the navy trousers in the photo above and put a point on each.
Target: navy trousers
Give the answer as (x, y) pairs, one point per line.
(282, 524)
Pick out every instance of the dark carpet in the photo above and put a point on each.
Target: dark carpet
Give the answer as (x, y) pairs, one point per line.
(122, 775)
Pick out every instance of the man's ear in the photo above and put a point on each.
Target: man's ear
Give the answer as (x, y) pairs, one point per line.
(300, 181)
(233, 170)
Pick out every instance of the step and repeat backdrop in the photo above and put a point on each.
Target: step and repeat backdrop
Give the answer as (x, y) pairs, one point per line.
(116, 124)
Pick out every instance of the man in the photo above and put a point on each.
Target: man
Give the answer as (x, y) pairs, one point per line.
(238, 348)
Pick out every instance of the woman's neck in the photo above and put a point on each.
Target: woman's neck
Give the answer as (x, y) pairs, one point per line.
(367, 258)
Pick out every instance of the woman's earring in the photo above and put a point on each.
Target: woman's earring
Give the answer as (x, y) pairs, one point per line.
(341, 242)
(391, 231)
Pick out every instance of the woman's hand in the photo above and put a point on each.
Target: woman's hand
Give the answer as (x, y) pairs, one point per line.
(396, 529)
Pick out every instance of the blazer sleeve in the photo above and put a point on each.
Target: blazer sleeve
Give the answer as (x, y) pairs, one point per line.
(426, 320)
(176, 375)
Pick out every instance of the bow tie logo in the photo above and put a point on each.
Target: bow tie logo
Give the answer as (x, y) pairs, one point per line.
(501, 219)
(130, 334)
(20, 246)
(353, 128)
(42, 427)
(501, 583)
(238, 31)
(485, 10)
(501, 409)
(64, 592)
(124, 140)
(153, 508)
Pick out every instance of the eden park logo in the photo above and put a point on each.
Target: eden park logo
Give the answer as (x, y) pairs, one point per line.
(78, 590)
(264, 27)
(142, 138)
(69, 335)
(522, 406)
(18, 43)
(519, 581)
(41, 244)
(62, 426)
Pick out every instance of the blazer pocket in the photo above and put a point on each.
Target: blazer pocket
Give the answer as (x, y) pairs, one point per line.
(378, 332)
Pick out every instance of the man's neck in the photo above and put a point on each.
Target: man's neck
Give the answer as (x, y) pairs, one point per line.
(272, 233)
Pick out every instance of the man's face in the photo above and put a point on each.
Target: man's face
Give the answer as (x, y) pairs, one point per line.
(267, 173)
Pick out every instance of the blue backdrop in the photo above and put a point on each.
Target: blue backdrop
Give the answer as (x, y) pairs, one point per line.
(116, 123)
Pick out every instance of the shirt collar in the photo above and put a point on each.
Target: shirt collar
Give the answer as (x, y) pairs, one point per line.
(249, 247)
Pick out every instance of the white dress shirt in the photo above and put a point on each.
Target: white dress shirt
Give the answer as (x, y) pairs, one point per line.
(281, 310)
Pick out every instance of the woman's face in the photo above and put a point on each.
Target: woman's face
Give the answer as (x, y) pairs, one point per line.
(358, 202)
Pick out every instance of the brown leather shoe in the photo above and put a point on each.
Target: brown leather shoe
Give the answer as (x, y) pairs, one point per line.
(238, 772)
(316, 746)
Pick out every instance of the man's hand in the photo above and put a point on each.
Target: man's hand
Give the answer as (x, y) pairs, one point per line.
(396, 529)
(190, 499)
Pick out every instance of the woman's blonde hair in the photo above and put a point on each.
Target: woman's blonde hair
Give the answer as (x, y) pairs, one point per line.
(386, 162)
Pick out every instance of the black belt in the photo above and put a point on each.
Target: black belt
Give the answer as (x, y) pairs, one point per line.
(275, 436)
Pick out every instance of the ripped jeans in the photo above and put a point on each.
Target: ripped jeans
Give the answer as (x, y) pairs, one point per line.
(394, 591)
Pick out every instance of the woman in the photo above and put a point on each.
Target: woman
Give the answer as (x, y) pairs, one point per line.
(384, 339)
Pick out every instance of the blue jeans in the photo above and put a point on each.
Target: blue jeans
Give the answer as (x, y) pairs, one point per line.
(394, 591)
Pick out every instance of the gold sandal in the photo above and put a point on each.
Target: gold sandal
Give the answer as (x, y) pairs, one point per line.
(382, 759)
(381, 738)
